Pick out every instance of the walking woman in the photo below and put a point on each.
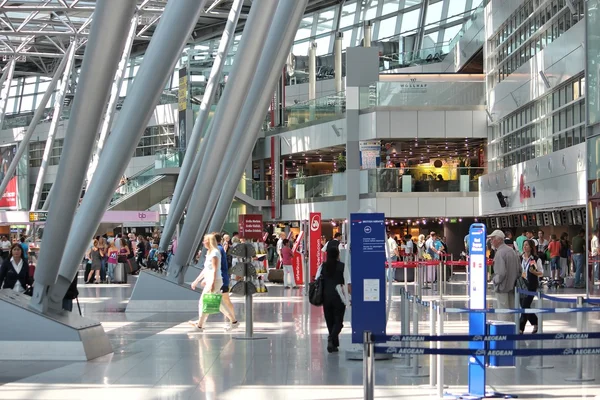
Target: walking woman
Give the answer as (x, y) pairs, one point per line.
(532, 270)
(287, 257)
(95, 255)
(336, 287)
(14, 274)
(210, 275)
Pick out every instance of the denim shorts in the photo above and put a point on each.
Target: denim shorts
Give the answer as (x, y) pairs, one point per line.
(555, 263)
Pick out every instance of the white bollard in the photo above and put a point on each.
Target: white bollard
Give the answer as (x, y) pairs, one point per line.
(440, 358)
(540, 304)
(368, 366)
(579, 360)
(432, 358)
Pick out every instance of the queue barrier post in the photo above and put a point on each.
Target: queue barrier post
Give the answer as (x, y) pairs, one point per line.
(579, 358)
(368, 366)
(405, 317)
(415, 360)
(440, 358)
(540, 304)
(390, 273)
(517, 317)
(432, 358)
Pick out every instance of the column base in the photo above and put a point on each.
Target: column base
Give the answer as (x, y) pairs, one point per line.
(154, 292)
(52, 336)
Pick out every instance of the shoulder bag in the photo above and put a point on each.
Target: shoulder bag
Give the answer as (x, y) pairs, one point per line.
(315, 292)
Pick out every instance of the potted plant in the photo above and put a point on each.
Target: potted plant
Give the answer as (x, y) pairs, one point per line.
(300, 181)
(341, 162)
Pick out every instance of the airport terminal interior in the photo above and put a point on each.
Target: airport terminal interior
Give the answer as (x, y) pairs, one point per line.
(299, 199)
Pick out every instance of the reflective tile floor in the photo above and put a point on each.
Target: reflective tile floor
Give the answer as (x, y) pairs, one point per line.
(159, 356)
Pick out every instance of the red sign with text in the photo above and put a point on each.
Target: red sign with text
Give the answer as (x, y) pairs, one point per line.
(251, 226)
(298, 260)
(273, 178)
(9, 198)
(315, 257)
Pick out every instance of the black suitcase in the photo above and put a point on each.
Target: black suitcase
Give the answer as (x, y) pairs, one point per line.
(399, 274)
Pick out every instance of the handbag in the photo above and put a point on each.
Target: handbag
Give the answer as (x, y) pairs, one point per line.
(315, 292)
(211, 303)
(522, 284)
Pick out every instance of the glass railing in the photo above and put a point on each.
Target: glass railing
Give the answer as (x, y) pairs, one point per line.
(308, 187)
(167, 158)
(427, 55)
(415, 93)
(477, 13)
(424, 179)
(255, 189)
(324, 108)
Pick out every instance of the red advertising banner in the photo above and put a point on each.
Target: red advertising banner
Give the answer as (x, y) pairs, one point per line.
(315, 256)
(250, 226)
(9, 198)
(298, 260)
(273, 178)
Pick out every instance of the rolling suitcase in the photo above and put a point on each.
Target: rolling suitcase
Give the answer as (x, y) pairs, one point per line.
(120, 274)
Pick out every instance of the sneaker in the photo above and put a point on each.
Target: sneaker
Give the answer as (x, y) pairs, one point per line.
(199, 328)
(193, 322)
(232, 325)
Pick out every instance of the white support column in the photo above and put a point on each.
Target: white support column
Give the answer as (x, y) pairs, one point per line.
(337, 50)
(102, 52)
(197, 147)
(37, 116)
(312, 79)
(368, 33)
(59, 101)
(114, 99)
(7, 78)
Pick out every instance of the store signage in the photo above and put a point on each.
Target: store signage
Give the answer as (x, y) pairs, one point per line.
(367, 234)
(477, 300)
(370, 153)
(413, 86)
(250, 226)
(315, 255)
(298, 260)
(38, 216)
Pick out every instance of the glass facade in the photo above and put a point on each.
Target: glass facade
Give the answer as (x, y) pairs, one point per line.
(530, 29)
(36, 153)
(550, 123)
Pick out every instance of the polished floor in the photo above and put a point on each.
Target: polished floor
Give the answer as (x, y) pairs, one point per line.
(159, 356)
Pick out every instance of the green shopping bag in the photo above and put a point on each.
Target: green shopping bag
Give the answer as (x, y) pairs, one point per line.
(211, 302)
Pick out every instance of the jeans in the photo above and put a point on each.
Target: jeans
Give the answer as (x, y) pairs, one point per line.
(288, 276)
(391, 272)
(111, 271)
(505, 300)
(103, 270)
(555, 263)
(578, 260)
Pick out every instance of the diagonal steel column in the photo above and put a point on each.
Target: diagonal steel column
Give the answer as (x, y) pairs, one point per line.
(7, 78)
(193, 158)
(105, 45)
(59, 101)
(37, 116)
(236, 91)
(174, 28)
(114, 99)
(280, 41)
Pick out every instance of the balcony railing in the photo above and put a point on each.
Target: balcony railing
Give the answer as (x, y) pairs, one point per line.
(322, 109)
(424, 179)
(168, 158)
(309, 187)
(258, 190)
(416, 93)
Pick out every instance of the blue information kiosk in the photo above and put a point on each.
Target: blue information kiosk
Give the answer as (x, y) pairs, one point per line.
(367, 252)
(477, 301)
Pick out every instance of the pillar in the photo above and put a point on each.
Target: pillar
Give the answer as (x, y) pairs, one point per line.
(106, 42)
(234, 96)
(368, 33)
(193, 158)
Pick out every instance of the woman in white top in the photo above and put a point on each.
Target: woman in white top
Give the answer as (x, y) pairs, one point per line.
(210, 275)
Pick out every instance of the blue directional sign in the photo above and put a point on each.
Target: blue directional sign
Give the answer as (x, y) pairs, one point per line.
(367, 252)
(477, 300)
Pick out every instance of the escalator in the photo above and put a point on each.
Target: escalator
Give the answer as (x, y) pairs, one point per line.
(143, 190)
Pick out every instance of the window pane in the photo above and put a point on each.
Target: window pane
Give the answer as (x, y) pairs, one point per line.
(387, 27)
(434, 14)
(348, 13)
(390, 6)
(410, 20)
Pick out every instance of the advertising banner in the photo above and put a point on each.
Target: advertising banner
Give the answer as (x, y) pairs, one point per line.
(182, 108)
(315, 256)
(367, 233)
(250, 226)
(298, 261)
(9, 199)
(275, 177)
(477, 300)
